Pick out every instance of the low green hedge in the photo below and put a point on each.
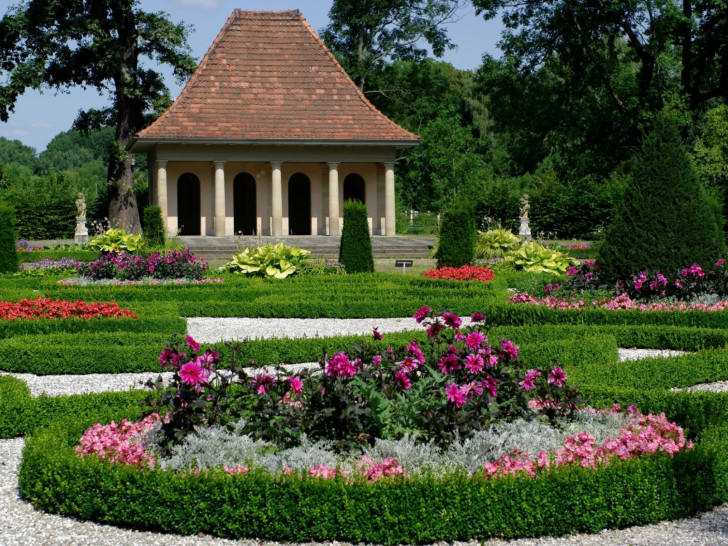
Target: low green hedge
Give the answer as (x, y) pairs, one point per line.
(418, 510)
(38, 255)
(12, 328)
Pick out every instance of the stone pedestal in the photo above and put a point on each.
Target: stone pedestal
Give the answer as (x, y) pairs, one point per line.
(524, 232)
(81, 236)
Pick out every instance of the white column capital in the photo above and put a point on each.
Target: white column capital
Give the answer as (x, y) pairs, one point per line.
(160, 163)
(219, 164)
(333, 164)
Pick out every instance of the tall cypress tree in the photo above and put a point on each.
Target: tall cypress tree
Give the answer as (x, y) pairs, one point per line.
(355, 251)
(664, 222)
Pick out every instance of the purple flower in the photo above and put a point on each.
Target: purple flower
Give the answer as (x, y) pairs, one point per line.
(451, 320)
(422, 313)
(192, 344)
(449, 363)
(400, 377)
(377, 335)
(477, 317)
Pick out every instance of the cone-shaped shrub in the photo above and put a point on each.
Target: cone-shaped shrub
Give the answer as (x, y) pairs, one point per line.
(154, 226)
(355, 251)
(664, 221)
(8, 254)
(456, 246)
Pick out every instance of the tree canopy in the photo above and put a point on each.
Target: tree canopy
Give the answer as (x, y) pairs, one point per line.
(102, 44)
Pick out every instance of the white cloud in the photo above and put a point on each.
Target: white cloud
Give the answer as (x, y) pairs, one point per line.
(198, 4)
(41, 125)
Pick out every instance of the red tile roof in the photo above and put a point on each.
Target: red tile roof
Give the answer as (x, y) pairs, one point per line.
(266, 76)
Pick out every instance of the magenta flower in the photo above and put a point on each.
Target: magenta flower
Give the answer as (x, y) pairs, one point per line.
(422, 313)
(451, 320)
(194, 374)
(490, 384)
(435, 329)
(339, 365)
(528, 382)
(477, 317)
(377, 360)
(377, 335)
(509, 349)
(409, 364)
(474, 340)
(400, 377)
(456, 395)
(192, 343)
(558, 377)
(720, 262)
(416, 352)
(474, 363)
(263, 382)
(449, 363)
(296, 384)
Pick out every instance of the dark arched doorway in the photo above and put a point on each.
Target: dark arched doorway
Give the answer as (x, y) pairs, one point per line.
(354, 188)
(299, 205)
(188, 204)
(244, 204)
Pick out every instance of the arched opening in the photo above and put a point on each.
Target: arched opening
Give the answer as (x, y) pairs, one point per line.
(188, 204)
(244, 204)
(354, 188)
(299, 205)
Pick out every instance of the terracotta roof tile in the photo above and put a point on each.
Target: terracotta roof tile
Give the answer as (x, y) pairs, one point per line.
(268, 75)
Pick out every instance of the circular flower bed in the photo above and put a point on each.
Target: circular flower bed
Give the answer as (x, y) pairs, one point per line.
(462, 273)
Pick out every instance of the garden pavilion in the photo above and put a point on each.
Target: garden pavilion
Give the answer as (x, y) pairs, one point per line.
(269, 137)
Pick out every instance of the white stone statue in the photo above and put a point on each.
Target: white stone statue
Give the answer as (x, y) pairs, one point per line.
(81, 235)
(524, 232)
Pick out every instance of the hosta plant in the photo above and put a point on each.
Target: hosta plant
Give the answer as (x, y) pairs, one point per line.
(271, 261)
(495, 243)
(116, 240)
(536, 258)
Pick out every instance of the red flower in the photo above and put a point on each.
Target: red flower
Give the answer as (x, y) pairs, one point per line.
(463, 273)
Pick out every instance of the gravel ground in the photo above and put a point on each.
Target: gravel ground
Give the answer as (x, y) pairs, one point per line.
(21, 524)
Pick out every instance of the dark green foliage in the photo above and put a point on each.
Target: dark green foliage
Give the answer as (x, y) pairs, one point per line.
(664, 222)
(154, 226)
(8, 254)
(15, 407)
(355, 251)
(456, 246)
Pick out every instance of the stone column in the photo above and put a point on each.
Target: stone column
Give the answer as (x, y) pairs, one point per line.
(334, 199)
(162, 191)
(219, 198)
(276, 192)
(389, 213)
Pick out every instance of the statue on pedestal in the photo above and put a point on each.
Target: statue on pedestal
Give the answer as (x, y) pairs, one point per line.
(81, 235)
(524, 232)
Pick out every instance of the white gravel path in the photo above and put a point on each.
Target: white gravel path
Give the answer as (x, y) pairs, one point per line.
(21, 524)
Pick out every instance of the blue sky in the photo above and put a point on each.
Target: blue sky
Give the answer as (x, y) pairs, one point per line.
(39, 117)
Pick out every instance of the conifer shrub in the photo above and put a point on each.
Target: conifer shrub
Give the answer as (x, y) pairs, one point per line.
(8, 254)
(154, 226)
(664, 219)
(457, 236)
(355, 250)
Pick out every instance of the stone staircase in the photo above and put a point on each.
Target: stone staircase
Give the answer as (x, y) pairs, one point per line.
(214, 248)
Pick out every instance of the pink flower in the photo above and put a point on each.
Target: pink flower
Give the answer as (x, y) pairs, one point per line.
(477, 317)
(194, 374)
(415, 351)
(558, 377)
(422, 313)
(451, 320)
(296, 384)
(400, 377)
(456, 395)
(720, 262)
(449, 363)
(377, 360)
(509, 349)
(263, 382)
(192, 343)
(474, 340)
(377, 335)
(339, 365)
(435, 329)
(527, 384)
(409, 364)
(474, 363)
(490, 384)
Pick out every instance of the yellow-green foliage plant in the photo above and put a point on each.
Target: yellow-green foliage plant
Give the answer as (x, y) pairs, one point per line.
(535, 258)
(271, 261)
(495, 243)
(117, 240)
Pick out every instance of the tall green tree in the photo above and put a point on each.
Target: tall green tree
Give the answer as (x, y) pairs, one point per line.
(364, 34)
(104, 44)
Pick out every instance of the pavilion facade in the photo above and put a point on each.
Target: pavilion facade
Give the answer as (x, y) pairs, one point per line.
(269, 137)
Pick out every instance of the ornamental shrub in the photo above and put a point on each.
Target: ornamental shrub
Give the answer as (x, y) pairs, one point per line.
(457, 236)
(664, 220)
(8, 254)
(355, 251)
(154, 226)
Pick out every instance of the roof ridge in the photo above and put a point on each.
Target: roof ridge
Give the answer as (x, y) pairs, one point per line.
(359, 92)
(196, 74)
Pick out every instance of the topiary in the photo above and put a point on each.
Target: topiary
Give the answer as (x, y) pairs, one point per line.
(8, 253)
(154, 226)
(664, 221)
(456, 246)
(355, 250)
